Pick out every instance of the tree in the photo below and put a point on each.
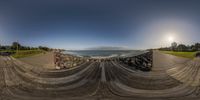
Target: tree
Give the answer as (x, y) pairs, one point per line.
(193, 48)
(197, 46)
(174, 46)
(189, 48)
(15, 46)
(44, 48)
(3, 48)
(182, 47)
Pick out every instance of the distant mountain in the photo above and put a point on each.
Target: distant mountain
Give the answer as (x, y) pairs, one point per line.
(108, 48)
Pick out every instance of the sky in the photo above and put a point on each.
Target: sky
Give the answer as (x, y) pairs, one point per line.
(80, 24)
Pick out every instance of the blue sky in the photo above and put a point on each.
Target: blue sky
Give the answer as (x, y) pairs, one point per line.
(79, 24)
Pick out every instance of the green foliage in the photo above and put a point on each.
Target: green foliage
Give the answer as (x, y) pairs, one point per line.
(15, 46)
(174, 46)
(44, 48)
(181, 47)
(19, 51)
(12, 51)
(181, 54)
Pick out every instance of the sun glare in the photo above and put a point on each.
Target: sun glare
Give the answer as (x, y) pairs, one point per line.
(170, 38)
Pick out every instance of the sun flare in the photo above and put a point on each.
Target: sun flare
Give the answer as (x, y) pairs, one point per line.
(170, 38)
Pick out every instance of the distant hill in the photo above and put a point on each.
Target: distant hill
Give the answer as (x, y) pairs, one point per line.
(107, 48)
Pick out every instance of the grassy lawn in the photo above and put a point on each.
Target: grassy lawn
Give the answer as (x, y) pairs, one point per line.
(181, 54)
(27, 53)
(8, 51)
(23, 53)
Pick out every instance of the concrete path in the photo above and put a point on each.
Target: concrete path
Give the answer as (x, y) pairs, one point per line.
(163, 61)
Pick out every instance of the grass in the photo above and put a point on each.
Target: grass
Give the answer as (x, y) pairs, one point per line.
(181, 54)
(23, 53)
(27, 53)
(12, 51)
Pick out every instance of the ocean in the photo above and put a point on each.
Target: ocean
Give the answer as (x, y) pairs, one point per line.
(104, 53)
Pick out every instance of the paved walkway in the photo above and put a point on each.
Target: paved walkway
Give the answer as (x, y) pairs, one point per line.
(101, 81)
(163, 61)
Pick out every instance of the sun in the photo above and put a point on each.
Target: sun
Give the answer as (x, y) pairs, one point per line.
(170, 38)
